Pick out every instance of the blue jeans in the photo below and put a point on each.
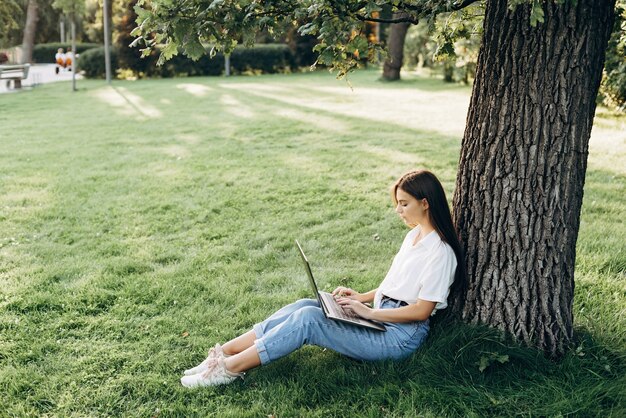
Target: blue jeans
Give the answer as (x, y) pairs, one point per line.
(303, 322)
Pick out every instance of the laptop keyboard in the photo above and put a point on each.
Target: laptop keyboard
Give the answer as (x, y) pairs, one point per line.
(336, 308)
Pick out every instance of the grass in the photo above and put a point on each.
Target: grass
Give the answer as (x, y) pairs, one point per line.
(143, 223)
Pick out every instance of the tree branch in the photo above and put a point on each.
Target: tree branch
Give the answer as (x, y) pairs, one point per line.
(400, 20)
(419, 10)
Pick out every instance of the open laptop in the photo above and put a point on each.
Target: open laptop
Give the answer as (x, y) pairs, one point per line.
(331, 308)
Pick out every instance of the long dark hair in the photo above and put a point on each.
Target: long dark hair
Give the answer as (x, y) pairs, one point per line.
(422, 184)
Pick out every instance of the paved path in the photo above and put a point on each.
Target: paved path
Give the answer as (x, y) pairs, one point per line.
(40, 74)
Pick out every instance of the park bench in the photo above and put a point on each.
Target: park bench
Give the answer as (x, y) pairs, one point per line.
(17, 73)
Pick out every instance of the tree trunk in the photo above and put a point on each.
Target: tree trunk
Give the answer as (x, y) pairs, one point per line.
(30, 29)
(522, 166)
(395, 43)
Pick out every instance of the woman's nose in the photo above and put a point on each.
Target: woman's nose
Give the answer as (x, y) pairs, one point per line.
(398, 209)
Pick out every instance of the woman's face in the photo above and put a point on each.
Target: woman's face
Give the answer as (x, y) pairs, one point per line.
(412, 211)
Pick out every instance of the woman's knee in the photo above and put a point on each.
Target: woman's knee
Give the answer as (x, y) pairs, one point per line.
(303, 303)
(309, 314)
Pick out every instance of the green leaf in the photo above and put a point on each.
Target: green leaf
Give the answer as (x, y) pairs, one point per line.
(488, 359)
(445, 50)
(308, 29)
(194, 49)
(503, 358)
(168, 51)
(483, 363)
(536, 14)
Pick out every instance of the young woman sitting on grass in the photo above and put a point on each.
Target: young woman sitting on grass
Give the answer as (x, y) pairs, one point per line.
(417, 285)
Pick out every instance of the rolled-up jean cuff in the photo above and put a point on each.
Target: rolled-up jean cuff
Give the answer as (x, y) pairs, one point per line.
(261, 350)
(258, 330)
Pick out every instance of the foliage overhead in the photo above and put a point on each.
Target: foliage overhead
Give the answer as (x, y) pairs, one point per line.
(338, 25)
(188, 24)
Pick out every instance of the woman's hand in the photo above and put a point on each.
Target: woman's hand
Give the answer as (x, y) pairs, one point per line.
(356, 306)
(346, 292)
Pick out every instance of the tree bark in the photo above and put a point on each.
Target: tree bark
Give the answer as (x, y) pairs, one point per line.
(30, 29)
(395, 43)
(522, 166)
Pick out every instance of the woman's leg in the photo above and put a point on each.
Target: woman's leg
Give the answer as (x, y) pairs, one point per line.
(310, 326)
(239, 344)
(246, 360)
(240, 353)
(244, 341)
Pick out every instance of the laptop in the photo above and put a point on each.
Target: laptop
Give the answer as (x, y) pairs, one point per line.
(331, 308)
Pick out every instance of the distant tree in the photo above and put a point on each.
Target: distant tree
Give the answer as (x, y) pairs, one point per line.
(524, 152)
(10, 13)
(395, 45)
(28, 40)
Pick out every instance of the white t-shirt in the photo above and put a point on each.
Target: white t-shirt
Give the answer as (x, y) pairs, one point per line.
(424, 271)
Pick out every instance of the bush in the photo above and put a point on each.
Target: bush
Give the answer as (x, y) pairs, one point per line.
(264, 58)
(267, 58)
(181, 65)
(44, 53)
(92, 62)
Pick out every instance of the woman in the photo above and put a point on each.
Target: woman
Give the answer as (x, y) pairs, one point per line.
(417, 285)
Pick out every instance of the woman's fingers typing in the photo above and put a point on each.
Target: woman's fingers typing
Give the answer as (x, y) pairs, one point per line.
(343, 291)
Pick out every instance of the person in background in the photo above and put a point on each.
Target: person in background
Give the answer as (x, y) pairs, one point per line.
(59, 58)
(69, 56)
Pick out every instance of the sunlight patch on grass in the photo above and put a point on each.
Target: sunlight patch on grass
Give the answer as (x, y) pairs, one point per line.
(235, 107)
(607, 144)
(25, 197)
(176, 151)
(414, 109)
(190, 139)
(198, 90)
(258, 87)
(394, 156)
(162, 169)
(127, 103)
(305, 162)
(323, 122)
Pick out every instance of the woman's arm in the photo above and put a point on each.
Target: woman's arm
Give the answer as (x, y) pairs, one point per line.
(419, 311)
(354, 295)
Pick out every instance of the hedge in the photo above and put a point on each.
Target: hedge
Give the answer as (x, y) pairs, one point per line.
(92, 62)
(44, 53)
(265, 58)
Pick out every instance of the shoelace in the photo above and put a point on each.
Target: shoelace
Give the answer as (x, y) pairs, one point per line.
(212, 365)
(212, 354)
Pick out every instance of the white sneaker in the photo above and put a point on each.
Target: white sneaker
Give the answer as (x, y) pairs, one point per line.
(215, 375)
(214, 353)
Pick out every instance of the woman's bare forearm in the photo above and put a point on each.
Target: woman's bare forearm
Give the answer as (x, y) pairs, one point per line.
(368, 296)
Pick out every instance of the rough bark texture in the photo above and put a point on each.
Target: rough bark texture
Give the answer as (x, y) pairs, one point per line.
(522, 166)
(28, 41)
(395, 44)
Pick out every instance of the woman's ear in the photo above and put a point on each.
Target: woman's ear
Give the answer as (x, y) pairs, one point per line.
(425, 204)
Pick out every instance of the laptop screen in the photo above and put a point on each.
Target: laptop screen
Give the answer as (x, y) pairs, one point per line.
(309, 273)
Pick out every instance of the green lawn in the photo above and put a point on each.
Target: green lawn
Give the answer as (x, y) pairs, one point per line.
(143, 223)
